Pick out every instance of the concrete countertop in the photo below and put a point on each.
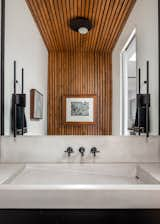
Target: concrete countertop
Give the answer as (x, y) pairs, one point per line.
(78, 195)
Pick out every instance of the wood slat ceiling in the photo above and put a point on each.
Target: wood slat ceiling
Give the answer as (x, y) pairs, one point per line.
(107, 16)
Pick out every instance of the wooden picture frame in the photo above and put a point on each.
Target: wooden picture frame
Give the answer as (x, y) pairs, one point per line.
(83, 105)
(36, 105)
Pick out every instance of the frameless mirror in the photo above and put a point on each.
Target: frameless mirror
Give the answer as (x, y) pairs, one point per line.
(91, 68)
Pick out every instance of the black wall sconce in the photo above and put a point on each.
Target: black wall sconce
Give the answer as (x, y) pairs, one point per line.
(18, 121)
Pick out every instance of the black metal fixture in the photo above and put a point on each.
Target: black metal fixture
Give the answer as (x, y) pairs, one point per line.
(81, 25)
(143, 105)
(94, 151)
(69, 151)
(18, 121)
(2, 4)
(82, 150)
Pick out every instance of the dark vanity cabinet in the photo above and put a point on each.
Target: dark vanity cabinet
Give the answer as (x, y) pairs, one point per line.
(82, 216)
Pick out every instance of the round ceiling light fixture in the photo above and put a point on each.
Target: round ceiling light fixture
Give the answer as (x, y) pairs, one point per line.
(81, 25)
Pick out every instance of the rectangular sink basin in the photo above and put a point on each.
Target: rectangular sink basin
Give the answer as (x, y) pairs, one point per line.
(80, 174)
(60, 186)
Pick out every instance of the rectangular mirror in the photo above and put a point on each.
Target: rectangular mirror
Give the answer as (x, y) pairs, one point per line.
(91, 68)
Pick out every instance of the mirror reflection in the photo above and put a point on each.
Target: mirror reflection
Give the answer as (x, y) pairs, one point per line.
(87, 69)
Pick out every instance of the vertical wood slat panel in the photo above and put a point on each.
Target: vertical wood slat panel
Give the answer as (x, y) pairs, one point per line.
(74, 73)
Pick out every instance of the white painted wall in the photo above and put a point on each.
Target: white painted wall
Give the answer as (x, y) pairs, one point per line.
(50, 149)
(25, 45)
(144, 17)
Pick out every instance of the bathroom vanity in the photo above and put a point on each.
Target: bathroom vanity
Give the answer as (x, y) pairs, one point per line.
(77, 186)
(50, 192)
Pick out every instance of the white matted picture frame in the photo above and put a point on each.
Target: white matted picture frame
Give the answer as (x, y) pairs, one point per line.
(79, 109)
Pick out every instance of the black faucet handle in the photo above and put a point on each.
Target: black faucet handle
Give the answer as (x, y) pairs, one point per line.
(94, 150)
(69, 151)
(82, 150)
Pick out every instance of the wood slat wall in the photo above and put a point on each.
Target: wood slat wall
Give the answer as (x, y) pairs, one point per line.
(72, 73)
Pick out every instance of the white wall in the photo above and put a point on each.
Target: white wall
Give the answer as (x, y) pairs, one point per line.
(144, 18)
(50, 149)
(25, 45)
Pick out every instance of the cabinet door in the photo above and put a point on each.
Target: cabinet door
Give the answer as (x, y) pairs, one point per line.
(84, 216)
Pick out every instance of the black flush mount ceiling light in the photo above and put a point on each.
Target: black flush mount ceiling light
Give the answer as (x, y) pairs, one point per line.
(81, 25)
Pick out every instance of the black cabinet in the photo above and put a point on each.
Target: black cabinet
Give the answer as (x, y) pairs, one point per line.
(80, 216)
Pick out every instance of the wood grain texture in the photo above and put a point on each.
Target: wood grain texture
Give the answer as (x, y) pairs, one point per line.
(108, 18)
(79, 73)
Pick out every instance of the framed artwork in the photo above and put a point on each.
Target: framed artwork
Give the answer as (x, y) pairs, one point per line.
(79, 109)
(36, 104)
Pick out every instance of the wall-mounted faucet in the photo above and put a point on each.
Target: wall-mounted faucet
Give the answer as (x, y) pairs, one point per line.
(94, 151)
(82, 150)
(69, 151)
